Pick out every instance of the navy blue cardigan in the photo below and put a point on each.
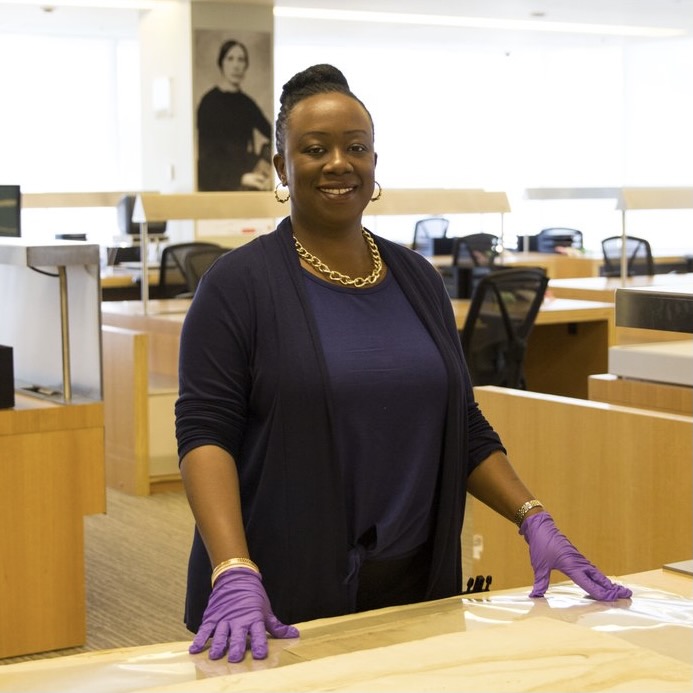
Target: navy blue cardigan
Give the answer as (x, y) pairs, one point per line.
(253, 380)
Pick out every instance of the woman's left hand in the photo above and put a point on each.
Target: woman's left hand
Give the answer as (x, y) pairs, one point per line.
(550, 550)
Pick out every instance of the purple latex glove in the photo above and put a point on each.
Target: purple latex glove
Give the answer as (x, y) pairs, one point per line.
(239, 607)
(550, 550)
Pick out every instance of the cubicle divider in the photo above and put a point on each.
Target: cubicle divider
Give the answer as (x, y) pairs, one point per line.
(595, 466)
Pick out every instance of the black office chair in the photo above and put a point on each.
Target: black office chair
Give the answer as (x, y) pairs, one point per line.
(638, 255)
(173, 278)
(494, 338)
(197, 262)
(472, 257)
(427, 231)
(558, 236)
(477, 249)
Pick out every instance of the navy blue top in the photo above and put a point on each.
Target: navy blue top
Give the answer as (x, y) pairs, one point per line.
(389, 387)
(256, 378)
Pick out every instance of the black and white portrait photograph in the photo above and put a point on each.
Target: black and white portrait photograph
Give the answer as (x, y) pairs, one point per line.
(232, 90)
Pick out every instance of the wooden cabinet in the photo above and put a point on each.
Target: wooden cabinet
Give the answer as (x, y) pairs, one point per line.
(51, 475)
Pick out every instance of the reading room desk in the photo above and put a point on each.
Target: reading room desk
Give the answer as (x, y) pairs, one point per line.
(604, 289)
(568, 343)
(488, 641)
(565, 265)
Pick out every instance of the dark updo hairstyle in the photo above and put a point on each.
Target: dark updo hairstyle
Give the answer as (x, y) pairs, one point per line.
(318, 79)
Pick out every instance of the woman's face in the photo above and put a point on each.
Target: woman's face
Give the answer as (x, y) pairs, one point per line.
(329, 160)
(234, 65)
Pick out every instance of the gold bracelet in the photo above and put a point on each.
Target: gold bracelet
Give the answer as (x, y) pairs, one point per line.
(525, 508)
(233, 563)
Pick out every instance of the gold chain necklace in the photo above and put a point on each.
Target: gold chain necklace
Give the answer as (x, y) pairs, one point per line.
(345, 279)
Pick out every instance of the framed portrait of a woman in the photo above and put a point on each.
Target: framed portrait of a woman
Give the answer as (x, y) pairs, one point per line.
(232, 92)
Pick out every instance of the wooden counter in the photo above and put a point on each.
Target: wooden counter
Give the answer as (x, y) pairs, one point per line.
(51, 475)
(494, 641)
(597, 468)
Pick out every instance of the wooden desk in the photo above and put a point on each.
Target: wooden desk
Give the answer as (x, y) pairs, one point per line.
(604, 289)
(559, 266)
(114, 277)
(124, 284)
(556, 265)
(569, 342)
(495, 641)
(51, 475)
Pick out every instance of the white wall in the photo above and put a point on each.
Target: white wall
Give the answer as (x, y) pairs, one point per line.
(453, 113)
(471, 115)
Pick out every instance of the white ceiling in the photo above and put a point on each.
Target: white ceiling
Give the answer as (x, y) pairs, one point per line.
(30, 15)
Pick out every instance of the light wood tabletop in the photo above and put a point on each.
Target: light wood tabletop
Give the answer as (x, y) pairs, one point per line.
(491, 641)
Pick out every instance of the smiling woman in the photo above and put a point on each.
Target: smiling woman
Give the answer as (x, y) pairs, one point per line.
(326, 421)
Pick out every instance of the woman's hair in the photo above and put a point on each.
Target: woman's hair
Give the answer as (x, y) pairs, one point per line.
(226, 47)
(317, 79)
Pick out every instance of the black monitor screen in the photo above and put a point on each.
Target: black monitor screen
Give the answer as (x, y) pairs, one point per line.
(127, 226)
(10, 211)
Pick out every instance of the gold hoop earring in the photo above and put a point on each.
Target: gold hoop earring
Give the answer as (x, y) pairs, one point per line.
(281, 200)
(378, 195)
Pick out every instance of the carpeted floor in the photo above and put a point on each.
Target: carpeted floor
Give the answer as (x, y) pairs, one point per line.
(136, 560)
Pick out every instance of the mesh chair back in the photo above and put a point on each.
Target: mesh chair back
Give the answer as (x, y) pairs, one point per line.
(425, 230)
(173, 279)
(501, 316)
(638, 256)
(477, 249)
(558, 236)
(197, 262)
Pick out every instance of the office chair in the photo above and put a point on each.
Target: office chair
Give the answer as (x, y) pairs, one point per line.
(425, 233)
(478, 249)
(173, 278)
(197, 262)
(501, 316)
(638, 254)
(558, 236)
(473, 257)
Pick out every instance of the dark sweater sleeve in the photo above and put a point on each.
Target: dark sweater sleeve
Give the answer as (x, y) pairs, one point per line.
(213, 371)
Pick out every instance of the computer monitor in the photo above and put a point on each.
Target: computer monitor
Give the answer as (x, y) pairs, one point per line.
(128, 227)
(10, 211)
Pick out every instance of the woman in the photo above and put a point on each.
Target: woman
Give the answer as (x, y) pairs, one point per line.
(227, 123)
(326, 422)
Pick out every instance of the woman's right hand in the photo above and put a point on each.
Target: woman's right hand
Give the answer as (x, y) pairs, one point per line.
(239, 607)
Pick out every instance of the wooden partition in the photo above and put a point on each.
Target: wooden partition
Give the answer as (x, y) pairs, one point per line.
(617, 481)
(140, 443)
(140, 390)
(629, 392)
